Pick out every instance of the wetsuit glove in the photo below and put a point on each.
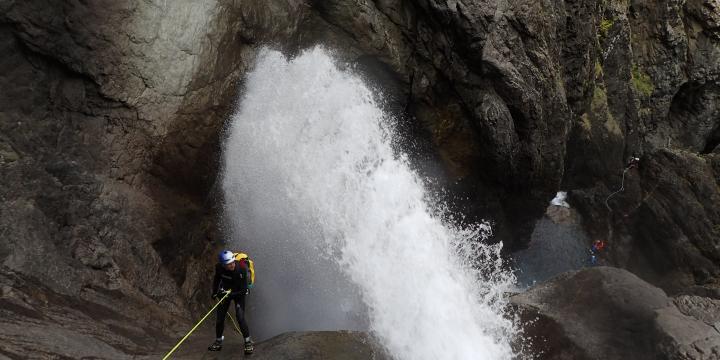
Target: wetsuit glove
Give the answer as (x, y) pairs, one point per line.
(218, 295)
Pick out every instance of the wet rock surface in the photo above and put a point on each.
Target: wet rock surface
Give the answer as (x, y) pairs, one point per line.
(314, 345)
(111, 115)
(609, 313)
(39, 323)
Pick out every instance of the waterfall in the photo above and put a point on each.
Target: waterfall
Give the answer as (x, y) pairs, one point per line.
(341, 229)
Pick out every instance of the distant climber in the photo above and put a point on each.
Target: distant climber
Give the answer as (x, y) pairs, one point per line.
(633, 162)
(234, 273)
(595, 250)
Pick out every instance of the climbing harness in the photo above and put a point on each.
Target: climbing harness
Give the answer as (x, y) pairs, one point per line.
(227, 292)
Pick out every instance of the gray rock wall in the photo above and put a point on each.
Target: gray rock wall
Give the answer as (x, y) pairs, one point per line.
(110, 123)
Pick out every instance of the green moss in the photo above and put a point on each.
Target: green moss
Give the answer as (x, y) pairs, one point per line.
(585, 122)
(598, 70)
(605, 26)
(600, 111)
(599, 99)
(7, 154)
(612, 126)
(642, 81)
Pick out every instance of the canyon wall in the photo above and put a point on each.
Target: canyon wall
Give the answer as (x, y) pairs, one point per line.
(111, 118)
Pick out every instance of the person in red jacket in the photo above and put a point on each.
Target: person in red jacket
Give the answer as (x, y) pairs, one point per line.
(595, 249)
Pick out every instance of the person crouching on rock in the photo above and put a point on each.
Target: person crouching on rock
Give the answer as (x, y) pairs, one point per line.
(230, 275)
(595, 249)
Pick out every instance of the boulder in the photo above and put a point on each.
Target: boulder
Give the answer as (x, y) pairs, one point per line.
(702, 308)
(609, 313)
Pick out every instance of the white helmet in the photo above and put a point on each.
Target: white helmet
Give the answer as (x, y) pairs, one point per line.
(225, 257)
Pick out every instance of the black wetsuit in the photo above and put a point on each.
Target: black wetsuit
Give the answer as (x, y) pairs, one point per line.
(236, 281)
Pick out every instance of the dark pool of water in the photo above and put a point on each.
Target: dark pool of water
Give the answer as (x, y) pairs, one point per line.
(554, 248)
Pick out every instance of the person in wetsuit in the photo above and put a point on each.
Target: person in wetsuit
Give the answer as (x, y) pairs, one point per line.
(230, 275)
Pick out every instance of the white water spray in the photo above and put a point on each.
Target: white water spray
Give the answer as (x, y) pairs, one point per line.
(339, 225)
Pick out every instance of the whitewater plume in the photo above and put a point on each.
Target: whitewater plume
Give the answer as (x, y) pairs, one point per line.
(340, 227)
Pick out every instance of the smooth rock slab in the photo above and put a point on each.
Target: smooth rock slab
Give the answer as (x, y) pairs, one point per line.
(315, 345)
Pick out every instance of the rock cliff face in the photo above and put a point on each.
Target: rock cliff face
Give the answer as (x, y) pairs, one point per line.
(109, 129)
(654, 95)
(111, 114)
(664, 227)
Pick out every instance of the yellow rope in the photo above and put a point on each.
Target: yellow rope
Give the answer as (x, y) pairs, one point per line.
(196, 325)
(234, 323)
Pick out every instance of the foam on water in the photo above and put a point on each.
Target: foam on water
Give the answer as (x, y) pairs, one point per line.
(341, 228)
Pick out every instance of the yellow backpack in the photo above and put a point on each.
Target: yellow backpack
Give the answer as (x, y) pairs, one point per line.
(250, 266)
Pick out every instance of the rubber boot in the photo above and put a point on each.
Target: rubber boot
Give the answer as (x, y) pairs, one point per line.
(249, 348)
(215, 346)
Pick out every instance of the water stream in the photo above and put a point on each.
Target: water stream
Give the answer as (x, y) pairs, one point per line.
(342, 230)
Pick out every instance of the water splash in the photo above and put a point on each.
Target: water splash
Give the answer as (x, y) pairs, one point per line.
(340, 226)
